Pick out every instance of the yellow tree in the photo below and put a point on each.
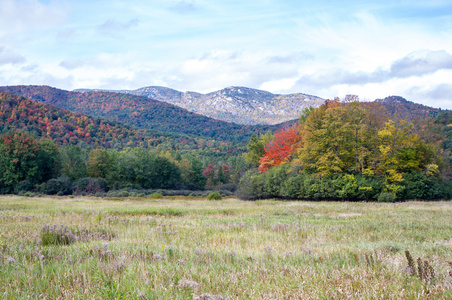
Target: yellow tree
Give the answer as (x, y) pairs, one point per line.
(396, 153)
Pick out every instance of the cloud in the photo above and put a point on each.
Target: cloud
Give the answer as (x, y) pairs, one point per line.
(415, 64)
(184, 7)
(19, 16)
(99, 61)
(219, 68)
(421, 63)
(37, 76)
(436, 95)
(72, 64)
(113, 27)
(7, 57)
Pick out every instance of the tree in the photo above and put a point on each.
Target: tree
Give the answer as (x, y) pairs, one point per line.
(99, 163)
(73, 162)
(191, 172)
(396, 154)
(49, 160)
(18, 160)
(256, 147)
(281, 148)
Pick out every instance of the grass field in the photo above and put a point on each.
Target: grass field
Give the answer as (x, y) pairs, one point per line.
(183, 248)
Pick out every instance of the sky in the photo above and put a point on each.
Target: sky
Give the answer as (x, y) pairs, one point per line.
(325, 48)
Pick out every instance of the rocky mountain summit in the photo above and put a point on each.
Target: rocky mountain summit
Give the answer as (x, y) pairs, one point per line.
(239, 105)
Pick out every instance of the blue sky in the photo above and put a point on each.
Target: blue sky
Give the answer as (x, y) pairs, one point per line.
(325, 48)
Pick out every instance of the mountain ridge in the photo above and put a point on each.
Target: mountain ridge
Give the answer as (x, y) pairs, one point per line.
(240, 105)
(140, 112)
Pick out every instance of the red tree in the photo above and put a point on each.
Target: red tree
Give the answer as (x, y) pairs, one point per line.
(281, 148)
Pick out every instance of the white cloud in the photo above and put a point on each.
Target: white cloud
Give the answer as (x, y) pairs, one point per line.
(7, 57)
(21, 15)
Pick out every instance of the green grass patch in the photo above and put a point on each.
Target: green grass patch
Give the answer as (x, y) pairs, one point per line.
(184, 248)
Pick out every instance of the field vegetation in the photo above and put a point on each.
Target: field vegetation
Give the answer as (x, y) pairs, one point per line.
(193, 248)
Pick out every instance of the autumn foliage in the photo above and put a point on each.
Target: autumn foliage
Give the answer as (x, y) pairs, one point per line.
(281, 148)
(349, 150)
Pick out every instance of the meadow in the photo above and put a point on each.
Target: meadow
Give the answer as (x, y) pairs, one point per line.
(191, 248)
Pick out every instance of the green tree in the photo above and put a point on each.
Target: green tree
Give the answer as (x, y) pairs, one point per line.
(73, 162)
(99, 164)
(49, 160)
(18, 161)
(256, 147)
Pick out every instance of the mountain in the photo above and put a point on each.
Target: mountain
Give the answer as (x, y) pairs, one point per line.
(64, 127)
(400, 107)
(239, 105)
(140, 112)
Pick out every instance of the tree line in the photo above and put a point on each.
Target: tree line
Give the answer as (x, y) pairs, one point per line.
(352, 150)
(27, 164)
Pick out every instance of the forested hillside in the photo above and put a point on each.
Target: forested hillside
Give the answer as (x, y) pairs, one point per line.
(399, 107)
(64, 127)
(140, 112)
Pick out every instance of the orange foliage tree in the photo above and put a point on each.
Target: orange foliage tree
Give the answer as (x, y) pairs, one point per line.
(282, 147)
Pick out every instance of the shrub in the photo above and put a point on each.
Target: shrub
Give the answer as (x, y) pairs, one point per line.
(59, 186)
(122, 194)
(29, 194)
(252, 186)
(447, 190)
(23, 186)
(231, 187)
(419, 186)
(386, 197)
(293, 187)
(90, 185)
(156, 196)
(214, 196)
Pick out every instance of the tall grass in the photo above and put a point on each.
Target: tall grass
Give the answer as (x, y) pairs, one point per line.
(227, 249)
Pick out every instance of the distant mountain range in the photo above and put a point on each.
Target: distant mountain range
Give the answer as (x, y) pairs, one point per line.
(141, 112)
(240, 105)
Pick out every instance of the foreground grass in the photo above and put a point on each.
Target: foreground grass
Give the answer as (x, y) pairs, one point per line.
(184, 248)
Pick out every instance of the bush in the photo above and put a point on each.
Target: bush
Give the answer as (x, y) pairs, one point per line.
(252, 186)
(29, 194)
(214, 196)
(386, 197)
(447, 190)
(231, 187)
(90, 185)
(59, 186)
(294, 188)
(156, 196)
(23, 186)
(122, 194)
(419, 186)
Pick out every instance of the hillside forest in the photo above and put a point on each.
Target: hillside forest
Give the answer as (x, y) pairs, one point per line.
(342, 150)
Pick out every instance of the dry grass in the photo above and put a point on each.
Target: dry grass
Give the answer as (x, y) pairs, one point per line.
(229, 249)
